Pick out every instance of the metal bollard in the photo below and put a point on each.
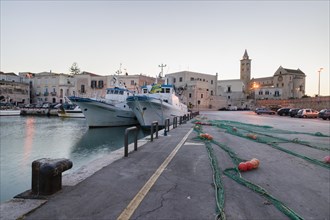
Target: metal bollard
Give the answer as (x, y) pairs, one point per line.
(154, 123)
(47, 175)
(175, 122)
(167, 126)
(184, 119)
(126, 139)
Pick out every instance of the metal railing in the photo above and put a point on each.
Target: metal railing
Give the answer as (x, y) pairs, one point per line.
(134, 128)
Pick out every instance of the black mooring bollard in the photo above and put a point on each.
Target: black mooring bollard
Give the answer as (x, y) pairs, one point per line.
(47, 175)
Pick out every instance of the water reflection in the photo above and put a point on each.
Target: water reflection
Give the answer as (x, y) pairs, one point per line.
(29, 135)
(102, 140)
(25, 139)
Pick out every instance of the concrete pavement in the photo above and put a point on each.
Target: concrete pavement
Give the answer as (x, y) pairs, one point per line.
(171, 178)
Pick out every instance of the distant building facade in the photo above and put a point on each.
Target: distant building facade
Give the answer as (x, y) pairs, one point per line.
(233, 93)
(14, 89)
(197, 90)
(284, 84)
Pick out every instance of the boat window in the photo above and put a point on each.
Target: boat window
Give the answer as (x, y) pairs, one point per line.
(116, 92)
(121, 92)
(163, 90)
(145, 91)
(165, 100)
(168, 90)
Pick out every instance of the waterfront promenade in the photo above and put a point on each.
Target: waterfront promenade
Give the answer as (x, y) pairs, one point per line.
(172, 178)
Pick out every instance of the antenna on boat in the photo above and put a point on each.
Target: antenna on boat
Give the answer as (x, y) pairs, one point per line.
(161, 72)
(116, 77)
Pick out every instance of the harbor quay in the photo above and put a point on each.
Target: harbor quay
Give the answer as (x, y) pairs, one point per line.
(183, 175)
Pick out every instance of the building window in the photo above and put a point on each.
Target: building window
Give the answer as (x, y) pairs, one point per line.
(266, 92)
(180, 79)
(174, 80)
(282, 84)
(261, 92)
(211, 92)
(82, 88)
(212, 82)
(132, 82)
(189, 95)
(229, 89)
(191, 78)
(228, 97)
(277, 93)
(101, 84)
(93, 83)
(201, 96)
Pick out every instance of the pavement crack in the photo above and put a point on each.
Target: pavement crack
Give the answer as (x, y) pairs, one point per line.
(142, 215)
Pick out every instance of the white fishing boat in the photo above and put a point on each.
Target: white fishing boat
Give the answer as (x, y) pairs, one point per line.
(109, 111)
(156, 103)
(10, 112)
(8, 109)
(69, 110)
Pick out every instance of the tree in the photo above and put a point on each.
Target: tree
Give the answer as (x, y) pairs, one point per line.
(74, 69)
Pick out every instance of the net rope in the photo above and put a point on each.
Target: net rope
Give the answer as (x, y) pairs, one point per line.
(242, 130)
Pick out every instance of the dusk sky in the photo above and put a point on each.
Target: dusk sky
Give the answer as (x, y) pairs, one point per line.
(200, 36)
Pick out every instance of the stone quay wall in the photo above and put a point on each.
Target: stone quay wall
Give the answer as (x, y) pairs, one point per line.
(316, 103)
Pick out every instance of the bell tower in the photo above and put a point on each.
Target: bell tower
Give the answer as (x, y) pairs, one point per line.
(245, 70)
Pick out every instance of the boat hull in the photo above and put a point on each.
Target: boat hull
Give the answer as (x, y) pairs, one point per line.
(147, 110)
(10, 112)
(71, 114)
(101, 114)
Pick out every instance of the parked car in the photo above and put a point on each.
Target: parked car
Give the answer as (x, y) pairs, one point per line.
(260, 111)
(293, 112)
(324, 114)
(283, 111)
(307, 113)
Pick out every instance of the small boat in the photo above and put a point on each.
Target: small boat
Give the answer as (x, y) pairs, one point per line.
(69, 110)
(110, 111)
(10, 112)
(8, 109)
(156, 103)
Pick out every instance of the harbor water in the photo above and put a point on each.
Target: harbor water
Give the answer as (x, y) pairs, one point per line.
(24, 139)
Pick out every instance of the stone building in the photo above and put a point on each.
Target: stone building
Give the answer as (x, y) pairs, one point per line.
(91, 85)
(134, 82)
(232, 92)
(245, 71)
(14, 89)
(197, 90)
(51, 87)
(284, 84)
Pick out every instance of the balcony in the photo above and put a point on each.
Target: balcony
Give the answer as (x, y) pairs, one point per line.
(46, 93)
(53, 93)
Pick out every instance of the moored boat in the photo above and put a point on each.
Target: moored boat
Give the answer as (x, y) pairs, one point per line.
(10, 112)
(109, 111)
(69, 110)
(156, 103)
(8, 109)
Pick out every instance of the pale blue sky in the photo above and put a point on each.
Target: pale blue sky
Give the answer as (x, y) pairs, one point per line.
(200, 36)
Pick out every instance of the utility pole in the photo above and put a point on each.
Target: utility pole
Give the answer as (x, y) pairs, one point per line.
(161, 72)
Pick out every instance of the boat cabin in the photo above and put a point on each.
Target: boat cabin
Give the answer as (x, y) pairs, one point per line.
(157, 88)
(118, 94)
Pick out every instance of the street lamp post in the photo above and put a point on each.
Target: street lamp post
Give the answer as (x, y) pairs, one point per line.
(255, 87)
(319, 80)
